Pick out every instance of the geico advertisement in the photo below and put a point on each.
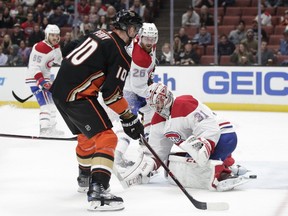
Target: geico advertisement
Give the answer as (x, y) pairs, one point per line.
(257, 85)
(247, 85)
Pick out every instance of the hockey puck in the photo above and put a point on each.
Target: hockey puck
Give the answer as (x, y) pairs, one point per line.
(253, 176)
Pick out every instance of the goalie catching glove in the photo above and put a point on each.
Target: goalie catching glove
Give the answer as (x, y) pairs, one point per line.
(41, 82)
(198, 148)
(131, 125)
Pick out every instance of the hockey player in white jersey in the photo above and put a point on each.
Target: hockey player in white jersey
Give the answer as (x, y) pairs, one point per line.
(207, 142)
(43, 55)
(143, 50)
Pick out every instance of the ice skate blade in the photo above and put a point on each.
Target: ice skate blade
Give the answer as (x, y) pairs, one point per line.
(113, 206)
(83, 189)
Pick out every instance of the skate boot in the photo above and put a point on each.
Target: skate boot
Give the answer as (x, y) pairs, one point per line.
(51, 132)
(238, 170)
(101, 200)
(83, 183)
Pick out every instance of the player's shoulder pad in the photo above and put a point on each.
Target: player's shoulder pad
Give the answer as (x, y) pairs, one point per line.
(157, 119)
(183, 106)
(42, 47)
(140, 57)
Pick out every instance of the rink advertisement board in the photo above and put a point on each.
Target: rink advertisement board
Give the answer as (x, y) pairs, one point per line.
(224, 88)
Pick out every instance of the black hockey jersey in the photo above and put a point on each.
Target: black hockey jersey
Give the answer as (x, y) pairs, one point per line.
(99, 63)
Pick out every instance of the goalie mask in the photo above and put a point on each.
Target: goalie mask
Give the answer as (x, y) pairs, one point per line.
(148, 34)
(52, 34)
(160, 99)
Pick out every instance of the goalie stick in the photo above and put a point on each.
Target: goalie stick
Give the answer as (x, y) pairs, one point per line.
(38, 137)
(22, 100)
(216, 206)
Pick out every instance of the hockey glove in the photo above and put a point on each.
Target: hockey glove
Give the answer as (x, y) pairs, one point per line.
(41, 82)
(132, 126)
(198, 148)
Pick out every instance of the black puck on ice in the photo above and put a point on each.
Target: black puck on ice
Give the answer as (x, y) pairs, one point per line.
(253, 176)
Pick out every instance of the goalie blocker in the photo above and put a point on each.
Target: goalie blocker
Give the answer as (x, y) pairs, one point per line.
(213, 176)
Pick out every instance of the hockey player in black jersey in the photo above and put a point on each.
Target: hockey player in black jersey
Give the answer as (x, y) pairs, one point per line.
(98, 64)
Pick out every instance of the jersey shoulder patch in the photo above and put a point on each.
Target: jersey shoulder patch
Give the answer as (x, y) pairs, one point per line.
(140, 57)
(42, 47)
(183, 106)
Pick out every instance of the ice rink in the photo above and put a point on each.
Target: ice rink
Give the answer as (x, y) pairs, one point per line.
(38, 177)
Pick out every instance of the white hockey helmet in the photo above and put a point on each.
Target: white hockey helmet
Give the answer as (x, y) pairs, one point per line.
(160, 99)
(149, 31)
(51, 29)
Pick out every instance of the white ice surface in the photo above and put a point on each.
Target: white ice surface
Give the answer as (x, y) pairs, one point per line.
(38, 177)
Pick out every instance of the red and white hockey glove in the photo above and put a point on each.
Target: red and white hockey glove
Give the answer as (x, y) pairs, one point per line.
(41, 82)
(198, 148)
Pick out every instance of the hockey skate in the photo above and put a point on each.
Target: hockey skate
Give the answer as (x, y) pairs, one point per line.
(101, 200)
(83, 183)
(51, 132)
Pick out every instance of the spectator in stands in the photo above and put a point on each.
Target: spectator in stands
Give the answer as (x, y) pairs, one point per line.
(273, 3)
(241, 56)
(183, 36)
(166, 56)
(178, 46)
(207, 3)
(111, 12)
(85, 21)
(264, 35)
(206, 18)
(3, 57)
(28, 25)
(44, 23)
(68, 7)
(283, 48)
(17, 35)
(284, 19)
(267, 55)
(102, 23)
(24, 52)
(250, 42)
(58, 18)
(87, 28)
(189, 56)
(21, 15)
(83, 8)
(191, 18)
(6, 44)
(225, 47)
(138, 7)
(36, 36)
(120, 4)
(150, 12)
(266, 18)
(237, 35)
(6, 21)
(100, 9)
(38, 14)
(47, 10)
(14, 58)
(203, 38)
(67, 39)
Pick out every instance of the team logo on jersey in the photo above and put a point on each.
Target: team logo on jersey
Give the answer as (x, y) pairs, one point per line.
(174, 137)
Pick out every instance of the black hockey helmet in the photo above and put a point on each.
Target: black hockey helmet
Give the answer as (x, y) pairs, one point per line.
(125, 18)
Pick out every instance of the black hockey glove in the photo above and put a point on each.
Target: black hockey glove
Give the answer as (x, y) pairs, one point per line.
(132, 126)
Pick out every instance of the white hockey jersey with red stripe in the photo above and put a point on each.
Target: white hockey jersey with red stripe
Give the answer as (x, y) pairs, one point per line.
(142, 67)
(188, 117)
(42, 58)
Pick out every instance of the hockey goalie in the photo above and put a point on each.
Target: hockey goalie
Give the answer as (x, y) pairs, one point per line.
(206, 143)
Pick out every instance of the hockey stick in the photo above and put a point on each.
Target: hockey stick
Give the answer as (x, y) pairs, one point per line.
(22, 100)
(38, 137)
(218, 206)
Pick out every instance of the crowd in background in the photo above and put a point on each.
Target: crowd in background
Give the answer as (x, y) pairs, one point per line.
(239, 46)
(22, 22)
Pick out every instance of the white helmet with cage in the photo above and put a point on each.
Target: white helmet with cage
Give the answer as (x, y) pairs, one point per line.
(160, 99)
(51, 29)
(150, 32)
